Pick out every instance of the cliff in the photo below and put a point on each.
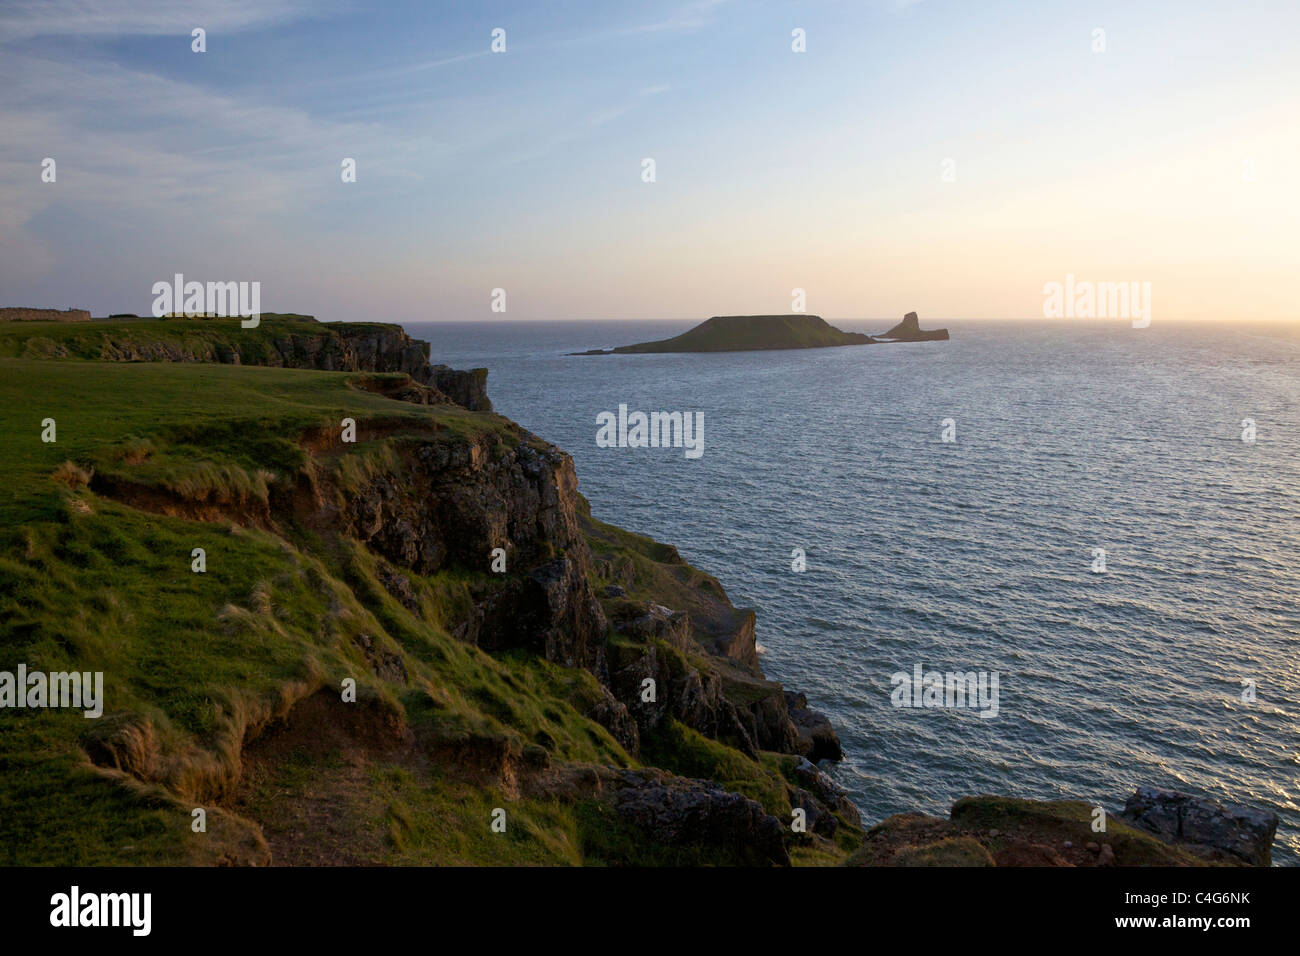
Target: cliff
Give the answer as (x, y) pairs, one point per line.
(291, 342)
(43, 315)
(599, 691)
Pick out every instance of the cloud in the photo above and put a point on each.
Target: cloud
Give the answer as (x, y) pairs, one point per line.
(693, 16)
(130, 140)
(113, 18)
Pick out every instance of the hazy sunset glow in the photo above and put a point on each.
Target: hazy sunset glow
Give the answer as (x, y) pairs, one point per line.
(946, 157)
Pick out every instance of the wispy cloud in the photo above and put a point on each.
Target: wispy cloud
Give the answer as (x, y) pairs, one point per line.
(25, 19)
(690, 17)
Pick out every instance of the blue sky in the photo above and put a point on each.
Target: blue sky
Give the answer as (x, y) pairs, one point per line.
(819, 170)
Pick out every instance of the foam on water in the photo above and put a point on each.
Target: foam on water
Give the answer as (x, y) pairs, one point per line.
(976, 555)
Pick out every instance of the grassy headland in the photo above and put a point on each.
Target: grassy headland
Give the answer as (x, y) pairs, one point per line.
(223, 687)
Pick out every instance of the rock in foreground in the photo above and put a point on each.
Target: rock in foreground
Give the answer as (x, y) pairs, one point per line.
(1005, 831)
(1221, 832)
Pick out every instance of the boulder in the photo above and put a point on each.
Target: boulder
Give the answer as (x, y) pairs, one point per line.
(1222, 831)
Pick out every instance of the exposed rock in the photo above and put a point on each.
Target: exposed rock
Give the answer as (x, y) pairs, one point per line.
(383, 661)
(817, 738)
(612, 714)
(738, 643)
(826, 790)
(1204, 826)
(909, 330)
(678, 811)
(466, 387)
(619, 570)
(820, 820)
(682, 691)
(647, 621)
(1017, 832)
(399, 586)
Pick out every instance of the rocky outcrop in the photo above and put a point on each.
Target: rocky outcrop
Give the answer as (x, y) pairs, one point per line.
(449, 503)
(817, 739)
(43, 315)
(1218, 831)
(825, 790)
(467, 387)
(909, 330)
(332, 347)
(676, 811)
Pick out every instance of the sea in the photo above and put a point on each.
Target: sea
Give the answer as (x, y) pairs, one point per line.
(1103, 518)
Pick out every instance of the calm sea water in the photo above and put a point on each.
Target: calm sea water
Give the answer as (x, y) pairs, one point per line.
(976, 555)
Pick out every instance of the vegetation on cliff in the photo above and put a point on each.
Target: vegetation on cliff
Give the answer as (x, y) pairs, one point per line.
(326, 561)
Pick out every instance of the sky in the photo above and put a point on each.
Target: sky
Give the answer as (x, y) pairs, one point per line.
(949, 157)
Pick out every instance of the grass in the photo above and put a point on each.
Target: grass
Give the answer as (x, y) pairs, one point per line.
(197, 664)
(89, 583)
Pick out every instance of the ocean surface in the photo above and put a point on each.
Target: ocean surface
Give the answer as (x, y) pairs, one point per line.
(977, 554)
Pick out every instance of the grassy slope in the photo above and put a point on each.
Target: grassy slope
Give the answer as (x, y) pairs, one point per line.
(748, 332)
(88, 583)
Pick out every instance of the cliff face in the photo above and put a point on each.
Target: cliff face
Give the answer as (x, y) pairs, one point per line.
(436, 506)
(350, 348)
(43, 315)
(583, 678)
(291, 342)
(442, 505)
